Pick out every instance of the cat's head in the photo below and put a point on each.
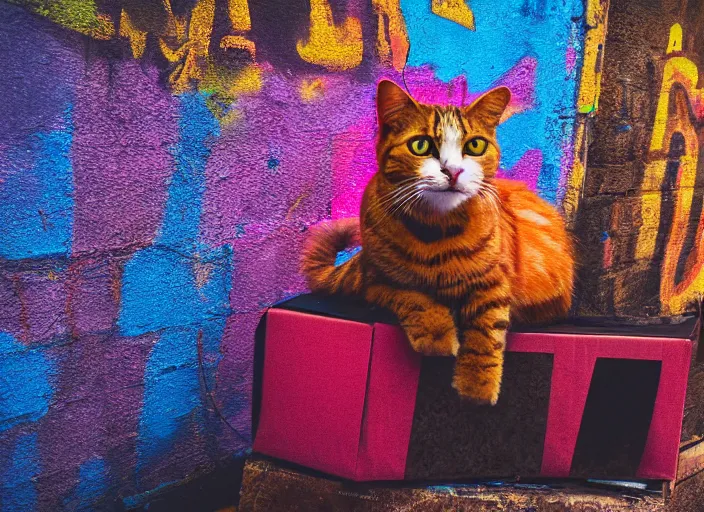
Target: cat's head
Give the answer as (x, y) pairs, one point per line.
(436, 155)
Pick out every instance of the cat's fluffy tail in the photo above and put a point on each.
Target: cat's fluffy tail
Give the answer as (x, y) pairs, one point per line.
(319, 255)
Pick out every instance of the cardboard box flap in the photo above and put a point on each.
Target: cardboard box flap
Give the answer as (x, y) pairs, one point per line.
(389, 408)
(347, 308)
(355, 309)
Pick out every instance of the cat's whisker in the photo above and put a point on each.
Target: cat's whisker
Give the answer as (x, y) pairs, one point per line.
(488, 195)
(494, 204)
(401, 184)
(493, 192)
(395, 194)
(399, 195)
(417, 187)
(490, 189)
(412, 201)
(406, 201)
(489, 198)
(391, 205)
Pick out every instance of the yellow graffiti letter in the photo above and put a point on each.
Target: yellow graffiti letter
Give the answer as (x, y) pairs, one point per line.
(336, 48)
(394, 50)
(454, 10)
(138, 39)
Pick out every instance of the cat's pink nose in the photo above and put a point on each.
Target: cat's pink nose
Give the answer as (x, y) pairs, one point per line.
(453, 173)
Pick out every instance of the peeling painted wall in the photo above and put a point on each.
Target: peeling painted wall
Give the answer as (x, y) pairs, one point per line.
(159, 165)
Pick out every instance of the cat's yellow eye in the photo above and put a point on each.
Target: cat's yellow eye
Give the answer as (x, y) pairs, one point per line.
(421, 146)
(475, 147)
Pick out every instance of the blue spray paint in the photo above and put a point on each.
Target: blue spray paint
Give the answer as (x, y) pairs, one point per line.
(159, 289)
(25, 394)
(25, 386)
(173, 384)
(172, 391)
(91, 488)
(180, 287)
(519, 28)
(346, 255)
(17, 490)
(160, 285)
(37, 196)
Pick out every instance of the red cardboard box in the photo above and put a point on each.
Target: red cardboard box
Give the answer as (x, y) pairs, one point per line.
(338, 389)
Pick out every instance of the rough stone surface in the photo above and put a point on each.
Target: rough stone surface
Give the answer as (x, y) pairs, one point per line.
(268, 487)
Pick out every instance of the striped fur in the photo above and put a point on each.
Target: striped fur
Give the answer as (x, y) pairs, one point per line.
(454, 260)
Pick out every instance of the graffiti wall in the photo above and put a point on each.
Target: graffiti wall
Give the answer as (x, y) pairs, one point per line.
(640, 217)
(160, 162)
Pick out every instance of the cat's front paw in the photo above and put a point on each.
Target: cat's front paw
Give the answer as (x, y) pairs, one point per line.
(480, 395)
(433, 339)
(477, 379)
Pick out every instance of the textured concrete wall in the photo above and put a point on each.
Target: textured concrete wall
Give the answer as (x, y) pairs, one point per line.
(641, 215)
(159, 165)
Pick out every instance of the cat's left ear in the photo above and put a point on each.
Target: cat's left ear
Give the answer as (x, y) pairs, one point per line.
(490, 106)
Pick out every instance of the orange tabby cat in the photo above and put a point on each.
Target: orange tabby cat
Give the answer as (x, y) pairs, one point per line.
(452, 251)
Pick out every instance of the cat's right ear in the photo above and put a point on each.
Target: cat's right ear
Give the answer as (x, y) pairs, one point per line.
(391, 100)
